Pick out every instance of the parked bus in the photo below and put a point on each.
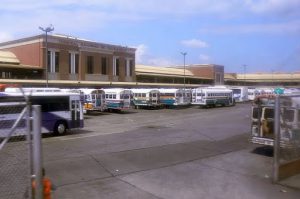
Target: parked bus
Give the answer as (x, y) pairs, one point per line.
(240, 93)
(253, 93)
(118, 98)
(170, 97)
(146, 98)
(94, 100)
(60, 110)
(266, 91)
(262, 120)
(212, 96)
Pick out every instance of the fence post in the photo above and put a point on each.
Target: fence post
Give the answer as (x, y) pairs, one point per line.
(29, 142)
(37, 151)
(276, 139)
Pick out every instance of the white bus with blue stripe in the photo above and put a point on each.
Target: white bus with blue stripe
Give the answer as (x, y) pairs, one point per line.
(93, 99)
(146, 97)
(60, 110)
(118, 98)
(171, 97)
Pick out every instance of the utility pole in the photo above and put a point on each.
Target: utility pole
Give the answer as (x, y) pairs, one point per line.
(47, 30)
(184, 54)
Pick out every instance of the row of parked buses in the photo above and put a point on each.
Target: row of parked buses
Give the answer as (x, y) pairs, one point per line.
(122, 99)
(63, 109)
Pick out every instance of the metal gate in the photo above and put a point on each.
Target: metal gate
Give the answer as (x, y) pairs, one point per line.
(20, 148)
(287, 137)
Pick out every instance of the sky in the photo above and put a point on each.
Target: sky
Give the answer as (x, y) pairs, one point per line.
(242, 35)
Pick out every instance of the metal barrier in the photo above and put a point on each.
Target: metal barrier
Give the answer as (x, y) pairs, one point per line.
(14, 153)
(20, 155)
(287, 137)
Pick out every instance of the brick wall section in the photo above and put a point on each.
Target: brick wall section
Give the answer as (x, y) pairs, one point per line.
(203, 71)
(29, 54)
(63, 64)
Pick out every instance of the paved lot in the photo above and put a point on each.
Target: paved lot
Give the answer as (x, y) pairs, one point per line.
(167, 153)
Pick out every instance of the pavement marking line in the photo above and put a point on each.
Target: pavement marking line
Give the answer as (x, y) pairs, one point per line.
(87, 136)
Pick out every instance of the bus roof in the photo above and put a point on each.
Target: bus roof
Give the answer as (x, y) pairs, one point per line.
(116, 90)
(212, 89)
(144, 90)
(39, 93)
(42, 89)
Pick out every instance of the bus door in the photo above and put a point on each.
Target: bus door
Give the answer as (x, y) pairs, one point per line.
(75, 113)
(180, 97)
(267, 122)
(126, 96)
(153, 98)
(99, 99)
(194, 96)
(187, 97)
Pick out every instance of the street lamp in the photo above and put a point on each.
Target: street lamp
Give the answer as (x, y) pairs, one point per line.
(46, 30)
(184, 54)
(245, 66)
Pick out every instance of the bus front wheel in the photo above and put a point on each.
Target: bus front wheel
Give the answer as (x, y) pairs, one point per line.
(60, 128)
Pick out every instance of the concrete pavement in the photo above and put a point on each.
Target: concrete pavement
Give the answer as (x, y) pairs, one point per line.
(189, 153)
(186, 170)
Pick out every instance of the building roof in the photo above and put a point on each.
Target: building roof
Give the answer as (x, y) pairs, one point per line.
(7, 57)
(164, 71)
(268, 77)
(69, 40)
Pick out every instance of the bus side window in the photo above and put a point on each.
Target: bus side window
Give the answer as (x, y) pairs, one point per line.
(269, 113)
(11, 109)
(288, 115)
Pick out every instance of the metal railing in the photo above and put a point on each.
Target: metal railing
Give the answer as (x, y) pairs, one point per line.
(20, 149)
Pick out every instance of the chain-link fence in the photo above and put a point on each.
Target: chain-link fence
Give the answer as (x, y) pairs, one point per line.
(287, 137)
(14, 151)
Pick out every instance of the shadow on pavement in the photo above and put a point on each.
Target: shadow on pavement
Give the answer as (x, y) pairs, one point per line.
(264, 150)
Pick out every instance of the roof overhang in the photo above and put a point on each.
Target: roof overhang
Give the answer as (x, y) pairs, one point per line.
(92, 83)
(170, 75)
(20, 66)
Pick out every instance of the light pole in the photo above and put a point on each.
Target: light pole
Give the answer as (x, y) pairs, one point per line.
(245, 66)
(46, 30)
(184, 54)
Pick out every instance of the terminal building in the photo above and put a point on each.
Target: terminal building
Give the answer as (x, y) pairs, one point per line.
(263, 79)
(68, 59)
(75, 62)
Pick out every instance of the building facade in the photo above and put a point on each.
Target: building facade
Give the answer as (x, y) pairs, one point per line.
(263, 79)
(73, 59)
(211, 71)
(171, 75)
(11, 68)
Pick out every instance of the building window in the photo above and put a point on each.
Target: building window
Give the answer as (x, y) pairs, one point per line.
(73, 62)
(104, 66)
(218, 78)
(56, 61)
(129, 67)
(53, 61)
(116, 66)
(6, 75)
(90, 64)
